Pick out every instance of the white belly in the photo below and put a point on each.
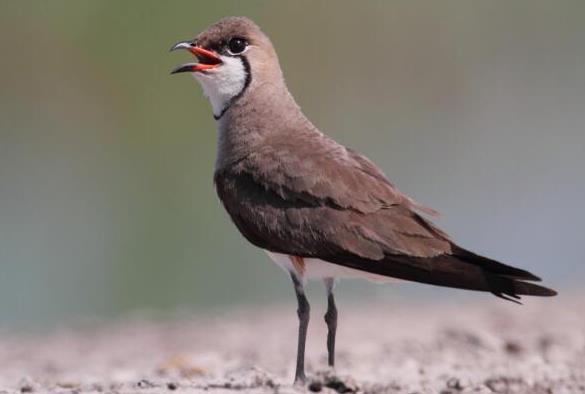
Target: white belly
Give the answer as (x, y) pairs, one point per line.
(320, 269)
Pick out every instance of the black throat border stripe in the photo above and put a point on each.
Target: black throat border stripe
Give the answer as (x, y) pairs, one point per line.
(247, 71)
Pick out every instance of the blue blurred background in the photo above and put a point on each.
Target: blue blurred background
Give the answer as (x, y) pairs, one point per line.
(475, 108)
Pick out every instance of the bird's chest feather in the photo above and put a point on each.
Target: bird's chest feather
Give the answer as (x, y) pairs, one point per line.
(264, 217)
(245, 205)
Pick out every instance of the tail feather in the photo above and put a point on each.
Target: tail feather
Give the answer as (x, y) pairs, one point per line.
(506, 282)
(462, 270)
(511, 289)
(493, 265)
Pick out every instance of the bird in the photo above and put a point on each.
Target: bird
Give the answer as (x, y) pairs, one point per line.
(320, 210)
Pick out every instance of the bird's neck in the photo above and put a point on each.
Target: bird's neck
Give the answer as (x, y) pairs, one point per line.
(264, 110)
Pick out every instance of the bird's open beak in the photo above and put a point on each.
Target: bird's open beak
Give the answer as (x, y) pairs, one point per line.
(207, 59)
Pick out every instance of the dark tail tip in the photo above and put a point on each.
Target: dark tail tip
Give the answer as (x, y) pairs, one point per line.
(531, 289)
(511, 289)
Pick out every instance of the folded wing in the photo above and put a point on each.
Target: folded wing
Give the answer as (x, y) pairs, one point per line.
(314, 198)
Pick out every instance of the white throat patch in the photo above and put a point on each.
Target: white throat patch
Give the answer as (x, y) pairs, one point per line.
(223, 83)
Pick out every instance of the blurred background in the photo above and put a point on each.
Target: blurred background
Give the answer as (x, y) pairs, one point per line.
(475, 108)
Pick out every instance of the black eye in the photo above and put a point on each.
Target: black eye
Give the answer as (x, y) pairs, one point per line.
(237, 45)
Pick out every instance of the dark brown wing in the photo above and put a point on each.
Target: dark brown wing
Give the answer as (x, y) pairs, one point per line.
(314, 198)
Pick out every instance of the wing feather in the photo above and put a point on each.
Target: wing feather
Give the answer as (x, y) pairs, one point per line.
(312, 197)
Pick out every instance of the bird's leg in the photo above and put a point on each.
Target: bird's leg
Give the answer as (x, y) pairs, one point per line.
(303, 312)
(331, 320)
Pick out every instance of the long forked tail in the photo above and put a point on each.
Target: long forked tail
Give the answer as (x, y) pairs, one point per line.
(511, 289)
(462, 270)
(505, 281)
(466, 270)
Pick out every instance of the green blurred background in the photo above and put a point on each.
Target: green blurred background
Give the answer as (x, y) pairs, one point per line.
(476, 108)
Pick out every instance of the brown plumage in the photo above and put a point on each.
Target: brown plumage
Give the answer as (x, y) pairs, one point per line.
(311, 197)
(293, 191)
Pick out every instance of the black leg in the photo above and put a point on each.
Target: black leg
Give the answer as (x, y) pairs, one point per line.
(303, 312)
(331, 320)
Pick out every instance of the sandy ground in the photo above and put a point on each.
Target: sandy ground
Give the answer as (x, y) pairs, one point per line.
(492, 347)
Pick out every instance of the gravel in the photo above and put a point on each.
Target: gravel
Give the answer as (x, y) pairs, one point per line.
(489, 347)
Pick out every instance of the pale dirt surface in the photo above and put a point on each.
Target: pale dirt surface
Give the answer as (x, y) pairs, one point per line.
(492, 347)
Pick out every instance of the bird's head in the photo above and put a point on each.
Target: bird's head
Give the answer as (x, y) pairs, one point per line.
(230, 55)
